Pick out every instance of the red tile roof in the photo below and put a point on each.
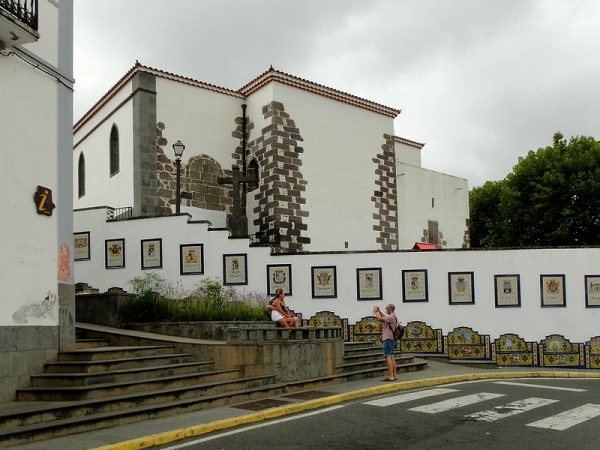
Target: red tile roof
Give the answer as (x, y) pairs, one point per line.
(270, 75)
(408, 142)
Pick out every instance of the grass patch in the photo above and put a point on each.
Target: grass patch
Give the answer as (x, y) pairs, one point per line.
(158, 300)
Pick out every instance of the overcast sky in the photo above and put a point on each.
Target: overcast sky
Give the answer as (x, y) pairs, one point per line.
(479, 82)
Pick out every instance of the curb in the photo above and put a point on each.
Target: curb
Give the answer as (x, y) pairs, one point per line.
(271, 413)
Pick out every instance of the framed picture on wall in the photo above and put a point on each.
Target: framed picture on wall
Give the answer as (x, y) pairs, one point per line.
(508, 291)
(592, 291)
(414, 285)
(461, 289)
(235, 269)
(151, 254)
(81, 246)
(324, 282)
(369, 284)
(114, 253)
(191, 259)
(552, 289)
(279, 276)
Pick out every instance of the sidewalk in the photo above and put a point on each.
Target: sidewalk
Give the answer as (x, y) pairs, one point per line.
(171, 429)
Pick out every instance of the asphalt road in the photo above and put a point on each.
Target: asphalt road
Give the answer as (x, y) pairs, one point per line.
(531, 414)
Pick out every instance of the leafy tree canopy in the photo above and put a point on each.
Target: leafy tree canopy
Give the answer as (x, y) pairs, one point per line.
(552, 198)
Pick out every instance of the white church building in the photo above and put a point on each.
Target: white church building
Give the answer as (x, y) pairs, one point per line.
(334, 202)
(327, 170)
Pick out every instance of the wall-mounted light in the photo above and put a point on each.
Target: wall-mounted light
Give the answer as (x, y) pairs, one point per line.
(178, 148)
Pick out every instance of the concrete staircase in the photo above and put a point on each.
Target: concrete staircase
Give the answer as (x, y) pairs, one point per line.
(364, 360)
(99, 386)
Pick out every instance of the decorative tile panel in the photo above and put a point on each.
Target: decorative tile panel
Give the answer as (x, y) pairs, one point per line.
(367, 330)
(328, 319)
(421, 338)
(464, 343)
(510, 350)
(556, 351)
(592, 353)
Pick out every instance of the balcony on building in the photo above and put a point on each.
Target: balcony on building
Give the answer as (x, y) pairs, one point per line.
(18, 22)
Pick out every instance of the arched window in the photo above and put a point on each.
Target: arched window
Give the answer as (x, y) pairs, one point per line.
(114, 150)
(253, 171)
(81, 176)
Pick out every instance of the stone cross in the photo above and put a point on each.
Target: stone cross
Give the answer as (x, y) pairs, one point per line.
(237, 222)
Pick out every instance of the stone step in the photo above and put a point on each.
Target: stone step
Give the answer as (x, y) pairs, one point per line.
(94, 415)
(354, 375)
(199, 383)
(371, 363)
(90, 343)
(106, 353)
(376, 353)
(117, 364)
(118, 376)
(361, 348)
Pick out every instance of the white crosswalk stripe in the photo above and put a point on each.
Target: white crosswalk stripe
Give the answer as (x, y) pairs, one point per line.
(458, 402)
(569, 418)
(510, 409)
(540, 386)
(409, 396)
(561, 421)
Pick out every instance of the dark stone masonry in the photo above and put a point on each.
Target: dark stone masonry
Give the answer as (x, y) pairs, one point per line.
(384, 196)
(280, 200)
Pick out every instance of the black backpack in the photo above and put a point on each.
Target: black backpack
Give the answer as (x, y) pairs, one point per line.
(398, 331)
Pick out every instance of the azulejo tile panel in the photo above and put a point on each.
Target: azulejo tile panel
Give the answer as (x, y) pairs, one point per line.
(556, 351)
(592, 353)
(421, 338)
(511, 350)
(367, 330)
(328, 319)
(465, 343)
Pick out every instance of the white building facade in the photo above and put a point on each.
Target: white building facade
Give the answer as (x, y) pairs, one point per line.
(36, 82)
(348, 197)
(326, 162)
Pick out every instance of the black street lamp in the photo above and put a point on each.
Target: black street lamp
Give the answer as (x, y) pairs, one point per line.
(178, 148)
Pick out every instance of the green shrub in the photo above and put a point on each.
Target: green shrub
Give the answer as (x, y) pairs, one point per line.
(157, 300)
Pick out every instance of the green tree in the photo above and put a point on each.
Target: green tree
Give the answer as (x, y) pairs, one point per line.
(485, 225)
(552, 198)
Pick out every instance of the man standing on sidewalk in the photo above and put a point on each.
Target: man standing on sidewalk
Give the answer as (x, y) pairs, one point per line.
(387, 338)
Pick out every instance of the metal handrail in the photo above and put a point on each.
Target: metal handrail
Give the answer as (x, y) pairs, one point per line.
(25, 11)
(119, 213)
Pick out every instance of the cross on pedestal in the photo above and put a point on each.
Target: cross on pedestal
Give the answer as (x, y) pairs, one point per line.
(237, 222)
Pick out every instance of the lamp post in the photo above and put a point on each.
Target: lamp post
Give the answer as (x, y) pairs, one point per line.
(178, 148)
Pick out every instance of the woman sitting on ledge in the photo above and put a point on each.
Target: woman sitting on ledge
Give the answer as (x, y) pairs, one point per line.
(280, 312)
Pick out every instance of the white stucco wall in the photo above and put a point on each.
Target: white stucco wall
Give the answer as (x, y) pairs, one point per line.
(416, 189)
(530, 321)
(339, 144)
(102, 189)
(29, 119)
(408, 154)
(200, 118)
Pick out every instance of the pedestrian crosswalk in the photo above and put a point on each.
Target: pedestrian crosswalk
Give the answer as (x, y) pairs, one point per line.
(560, 421)
(457, 402)
(569, 418)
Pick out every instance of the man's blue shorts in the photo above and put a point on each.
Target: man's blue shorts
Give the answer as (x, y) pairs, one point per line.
(388, 347)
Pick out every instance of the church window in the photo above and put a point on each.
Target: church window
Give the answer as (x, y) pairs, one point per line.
(253, 171)
(432, 232)
(114, 150)
(81, 176)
